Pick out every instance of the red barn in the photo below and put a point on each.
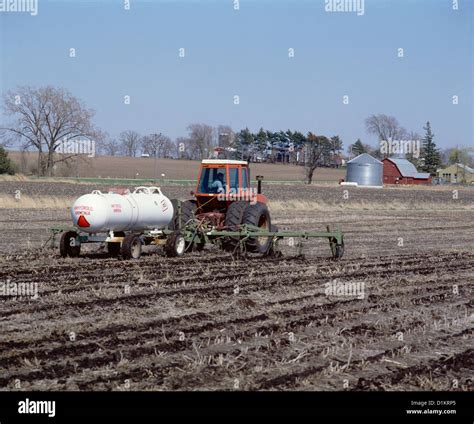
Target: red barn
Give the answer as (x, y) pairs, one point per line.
(402, 171)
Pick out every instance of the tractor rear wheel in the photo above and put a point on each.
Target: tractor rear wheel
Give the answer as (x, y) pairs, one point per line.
(233, 220)
(68, 245)
(131, 247)
(258, 216)
(175, 245)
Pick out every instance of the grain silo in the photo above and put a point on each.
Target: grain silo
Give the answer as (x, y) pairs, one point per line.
(365, 170)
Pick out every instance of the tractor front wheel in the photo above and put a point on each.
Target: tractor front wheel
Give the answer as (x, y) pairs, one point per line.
(175, 245)
(188, 212)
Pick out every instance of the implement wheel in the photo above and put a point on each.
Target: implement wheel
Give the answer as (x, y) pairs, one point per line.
(337, 250)
(274, 250)
(258, 216)
(131, 247)
(68, 245)
(175, 245)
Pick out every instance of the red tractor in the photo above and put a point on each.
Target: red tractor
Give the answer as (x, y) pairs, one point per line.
(225, 201)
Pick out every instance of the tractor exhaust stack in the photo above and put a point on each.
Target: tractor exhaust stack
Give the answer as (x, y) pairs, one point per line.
(259, 183)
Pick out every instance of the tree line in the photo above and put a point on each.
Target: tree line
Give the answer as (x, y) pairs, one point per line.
(42, 118)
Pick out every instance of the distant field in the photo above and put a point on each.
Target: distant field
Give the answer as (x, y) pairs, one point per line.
(126, 167)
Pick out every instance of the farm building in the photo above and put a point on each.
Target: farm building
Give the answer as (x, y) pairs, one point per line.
(457, 173)
(402, 171)
(365, 170)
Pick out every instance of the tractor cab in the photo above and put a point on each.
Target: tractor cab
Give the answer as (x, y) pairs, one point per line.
(223, 181)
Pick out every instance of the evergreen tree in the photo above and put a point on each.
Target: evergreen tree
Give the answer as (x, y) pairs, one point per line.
(358, 148)
(6, 165)
(244, 140)
(298, 139)
(431, 156)
(261, 140)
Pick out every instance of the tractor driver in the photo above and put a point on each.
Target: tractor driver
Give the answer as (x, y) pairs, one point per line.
(218, 184)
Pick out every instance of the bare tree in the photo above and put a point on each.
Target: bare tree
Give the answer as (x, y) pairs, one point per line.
(385, 127)
(111, 147)
(45, 118)
(157, 145)
(201, 140)
(182, 148)
(316, 149)
(129, 142)
(168, 148)
(225, 136)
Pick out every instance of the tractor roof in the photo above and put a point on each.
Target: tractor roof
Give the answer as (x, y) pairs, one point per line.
(223, 162)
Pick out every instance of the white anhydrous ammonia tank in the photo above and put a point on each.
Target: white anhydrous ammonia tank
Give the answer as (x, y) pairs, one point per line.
(144, 209)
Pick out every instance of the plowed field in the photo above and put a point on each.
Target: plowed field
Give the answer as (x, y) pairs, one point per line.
(396, 313)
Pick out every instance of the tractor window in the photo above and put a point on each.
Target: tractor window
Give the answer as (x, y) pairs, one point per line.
(213, 180)
(244, 178)
(234, 179)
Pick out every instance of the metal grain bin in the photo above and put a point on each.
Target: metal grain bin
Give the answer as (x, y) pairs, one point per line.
(365, 170)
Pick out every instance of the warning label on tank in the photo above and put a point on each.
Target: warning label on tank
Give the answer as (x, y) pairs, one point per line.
(83, 210)
(116, 208)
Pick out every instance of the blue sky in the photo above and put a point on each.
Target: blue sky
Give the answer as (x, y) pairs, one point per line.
(245, 52)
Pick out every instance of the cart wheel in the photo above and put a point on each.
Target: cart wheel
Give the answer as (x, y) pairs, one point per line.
(175, 245)
(131, 247)
(68, 245)
(113, 249)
